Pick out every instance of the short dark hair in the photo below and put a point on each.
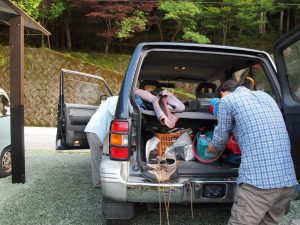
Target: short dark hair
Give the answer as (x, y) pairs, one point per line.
(229, 85)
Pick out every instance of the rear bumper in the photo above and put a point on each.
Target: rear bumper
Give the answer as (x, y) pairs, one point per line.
(187, 191)
(118, 185)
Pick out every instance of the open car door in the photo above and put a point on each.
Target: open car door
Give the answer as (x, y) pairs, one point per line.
(287, 59)
(80, 95)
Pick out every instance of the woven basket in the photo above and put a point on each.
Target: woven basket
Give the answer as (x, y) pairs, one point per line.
(166, 140)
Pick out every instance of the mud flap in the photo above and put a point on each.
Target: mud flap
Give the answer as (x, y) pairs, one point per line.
(114, 210)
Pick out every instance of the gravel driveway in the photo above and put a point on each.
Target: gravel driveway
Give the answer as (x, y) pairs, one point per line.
(58, 191)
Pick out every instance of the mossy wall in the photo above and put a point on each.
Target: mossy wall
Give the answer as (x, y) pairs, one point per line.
(42, 70)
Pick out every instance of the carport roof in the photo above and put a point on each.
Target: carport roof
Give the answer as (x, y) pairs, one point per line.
(9, 10)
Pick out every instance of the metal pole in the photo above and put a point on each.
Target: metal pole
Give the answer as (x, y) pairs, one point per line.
(17, 98)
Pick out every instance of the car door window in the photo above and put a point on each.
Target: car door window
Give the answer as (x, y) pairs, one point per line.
(258, 74)
(291, 57)
(83, 90)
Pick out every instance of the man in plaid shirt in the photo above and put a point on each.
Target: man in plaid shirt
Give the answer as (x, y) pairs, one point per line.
(267, 178)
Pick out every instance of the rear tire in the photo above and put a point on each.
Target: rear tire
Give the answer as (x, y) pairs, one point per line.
(5, 162)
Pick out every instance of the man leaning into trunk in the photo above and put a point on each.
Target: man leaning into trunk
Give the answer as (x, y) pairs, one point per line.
(267, 179)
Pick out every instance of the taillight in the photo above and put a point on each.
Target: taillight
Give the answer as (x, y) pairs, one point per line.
(119, 149)
(119, 153)
(119, 126)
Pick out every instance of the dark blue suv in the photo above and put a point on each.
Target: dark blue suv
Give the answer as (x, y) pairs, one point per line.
(181, 68)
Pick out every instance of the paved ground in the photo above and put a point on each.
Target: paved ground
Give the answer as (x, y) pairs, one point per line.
(58, 192)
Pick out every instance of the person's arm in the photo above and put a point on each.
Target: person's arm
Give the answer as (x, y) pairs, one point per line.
(223, 128)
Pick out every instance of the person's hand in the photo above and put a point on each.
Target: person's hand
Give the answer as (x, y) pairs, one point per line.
(211, 148)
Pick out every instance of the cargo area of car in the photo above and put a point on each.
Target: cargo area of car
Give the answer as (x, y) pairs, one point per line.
(185, 71)
(151, 127)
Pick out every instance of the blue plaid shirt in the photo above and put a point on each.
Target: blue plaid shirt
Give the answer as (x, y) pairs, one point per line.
(258, 125)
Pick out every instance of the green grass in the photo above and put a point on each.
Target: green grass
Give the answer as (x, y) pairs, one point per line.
(114, 62)
(185, 93)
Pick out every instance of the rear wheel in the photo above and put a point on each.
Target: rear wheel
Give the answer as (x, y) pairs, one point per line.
(5, 162)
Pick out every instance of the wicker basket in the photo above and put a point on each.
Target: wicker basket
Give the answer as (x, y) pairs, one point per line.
(166, 140)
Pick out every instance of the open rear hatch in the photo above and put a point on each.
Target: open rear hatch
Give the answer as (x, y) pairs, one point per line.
(192, 77)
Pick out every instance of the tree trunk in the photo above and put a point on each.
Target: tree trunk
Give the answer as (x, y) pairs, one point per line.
(68, 34)
(288, 20)
(57, 36)
(107, 45)
(261, 15)
(43, 44)
(224, 35)
(225, 29)
(177, 30)
(281, 22)
(63, 39)
(108, 38)
(160, 31)
(265, 22)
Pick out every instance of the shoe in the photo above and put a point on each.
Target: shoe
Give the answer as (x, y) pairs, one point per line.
(99, 185)
(165, 170)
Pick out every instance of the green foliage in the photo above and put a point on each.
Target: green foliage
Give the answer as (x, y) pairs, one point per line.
(130, 25)
(57, 8)
(179, 11)
(52, 11)
(31, 7)
(235, 14)
(211, 18)
(246, 16)
(182, 93)
(185, 14)
(265, 5)
(195, 37)
(218, 19)
(39, 10)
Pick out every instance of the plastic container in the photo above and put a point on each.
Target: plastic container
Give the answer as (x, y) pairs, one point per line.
(209, 134)
(214, 106)
(202, 146)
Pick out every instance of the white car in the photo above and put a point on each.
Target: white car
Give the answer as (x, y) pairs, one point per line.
(5, 141)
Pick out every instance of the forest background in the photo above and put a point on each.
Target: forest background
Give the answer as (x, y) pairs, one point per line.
(98, 37)
(117, 26)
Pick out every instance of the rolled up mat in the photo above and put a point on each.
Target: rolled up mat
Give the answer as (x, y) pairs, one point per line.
(176, 104)
(163, 113)
(145, 95)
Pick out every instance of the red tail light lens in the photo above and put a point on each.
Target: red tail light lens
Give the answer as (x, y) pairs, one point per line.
(119, 140)
(119, 126)
(119, 152)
